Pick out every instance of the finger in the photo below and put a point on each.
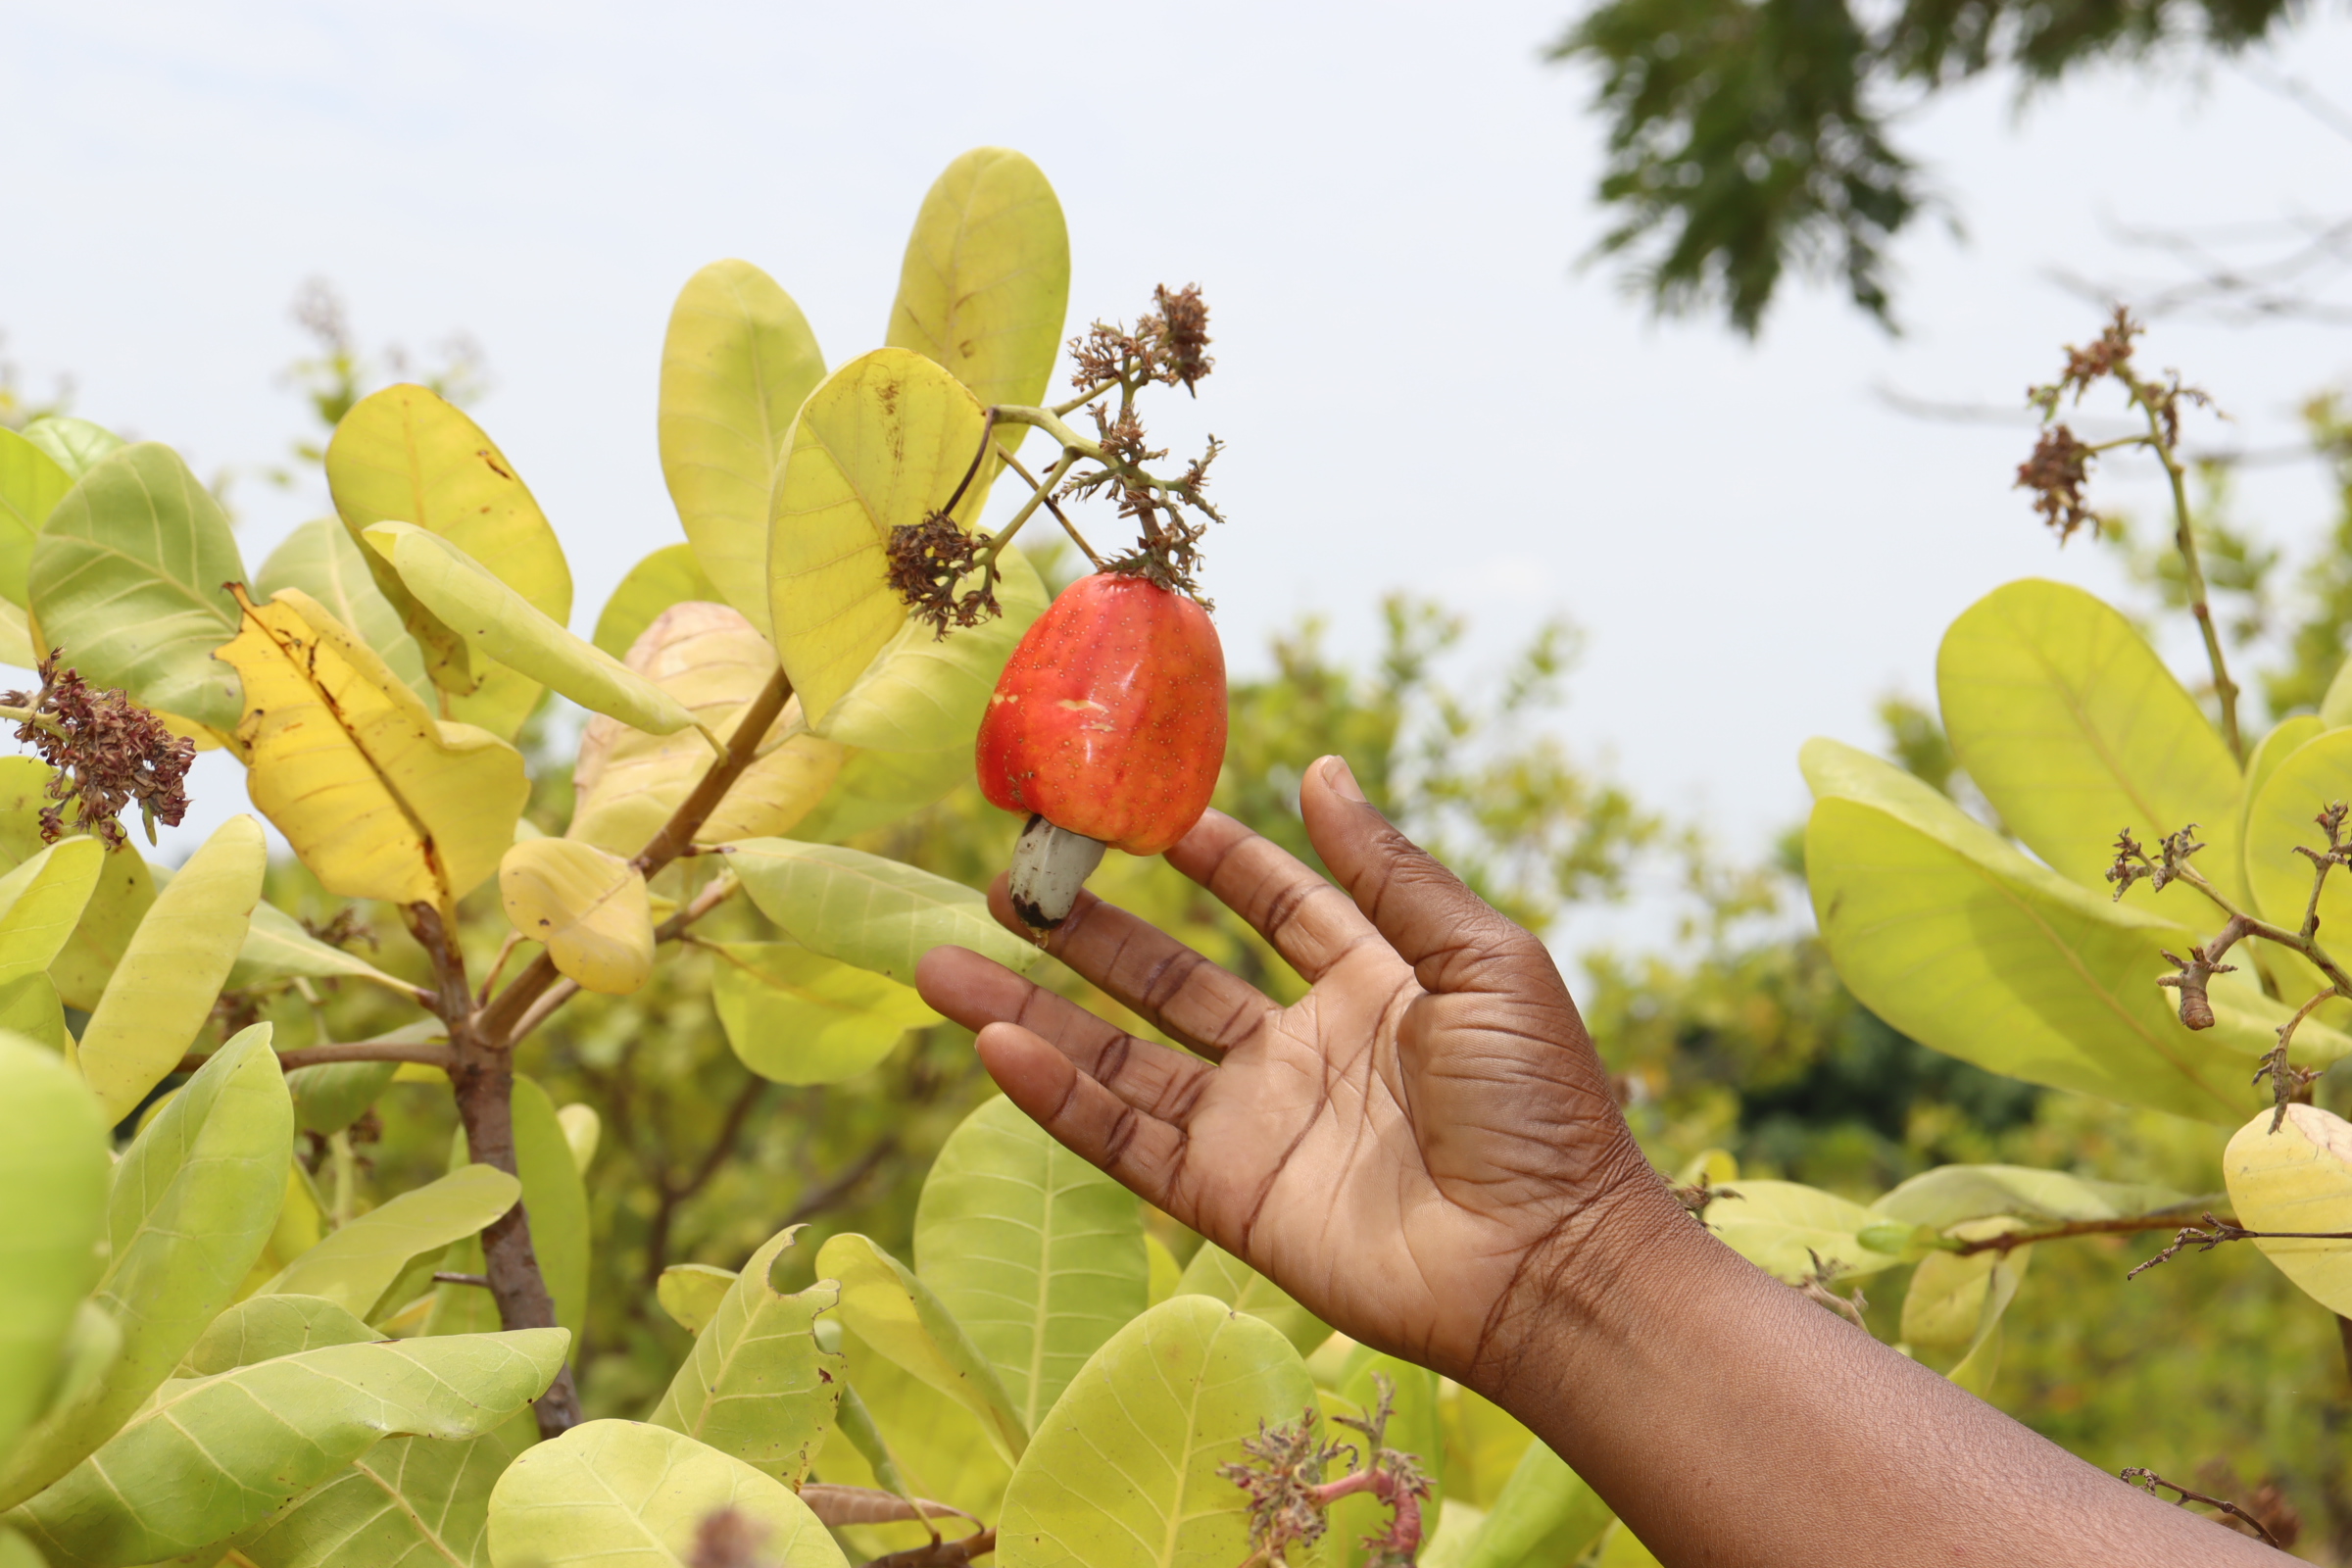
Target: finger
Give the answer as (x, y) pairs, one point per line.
(977, 993)
(1142, 1151)
(1201, 1003)
(1448, 933)
(1311, 924)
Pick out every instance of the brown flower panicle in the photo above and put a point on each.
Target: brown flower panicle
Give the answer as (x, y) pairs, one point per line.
(927, 560)
(109, 752)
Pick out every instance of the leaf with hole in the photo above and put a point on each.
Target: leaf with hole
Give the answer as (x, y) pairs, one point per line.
(589, 908)
(690, 1293)
(757, 1386)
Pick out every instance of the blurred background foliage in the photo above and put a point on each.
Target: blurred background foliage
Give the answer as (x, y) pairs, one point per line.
(1736, 1035)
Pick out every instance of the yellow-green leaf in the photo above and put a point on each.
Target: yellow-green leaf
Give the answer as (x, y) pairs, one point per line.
(130, 579)
(556, 1200)
(621, 1494)
(404, 1502)
(356, 1265)
(31, 484)
(671, 575)
(1544, 1514)
(212, 1456)
(74, 444)
(2073, 729)
(2298, 1178)
(737, 363)
(29, 1007)
(263, 1327)
(690, 1293)
(1125, 1471)
(924, 693)
(323, 559)
(1781, 1226)
(53, 1168)
(379, 799)
(472, 601)
(164, 989)
(582, 1128)
(1953, 1308)
(404, 455)
(985, 286)
(1947, 932)
(795, 1017)
(1038, 1253)
(898, 1433)
(889, 1308)
(119, 901)
(1216, 1273)
(1951, 1194)
(1484, 1445)
(588, 906)
(41, 902)
(880, 445)
(2293, 791)
(862, 909)
(756, 1386)
(192, 1202)
(628, 783)
(278, 946)
(875, 788)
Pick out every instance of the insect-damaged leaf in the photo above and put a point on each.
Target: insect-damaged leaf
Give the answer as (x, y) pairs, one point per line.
(379, 799)
(588, 906)
(757, 1386)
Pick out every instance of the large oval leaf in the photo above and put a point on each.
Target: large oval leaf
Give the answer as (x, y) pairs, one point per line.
(2293, 793)
(1546, 1514)
(737, 363)
(880, 445)
(472, 601)
(54, 1169)
(1125, 1473)
(118, 903)
(356, 1265)
(2298, 1178)
(926, 693)
(985, 286)
(590, 909)
(1951, 1194)
(41, 902)
(2073, 729)
(898, 1433)
(1781, 1227)
(875, 788)
(192, 1203)
(619, 1494)
(276, 946)
(323, 559)
(263, 1327)
(1218, 1274)
(404, 455)
(74, 444)
(862, 909)
(131, 579)
(379, 799)
(31, 484)
(1945, 931)
(405, 1504)
(163, 990)
(757, 1386)
(885, 1305)
(1038, 1253)
(671, 575)
(629, 783)
(795, 1017)
(212, 1456)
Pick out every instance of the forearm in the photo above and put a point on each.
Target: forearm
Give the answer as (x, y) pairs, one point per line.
(1729, 1420)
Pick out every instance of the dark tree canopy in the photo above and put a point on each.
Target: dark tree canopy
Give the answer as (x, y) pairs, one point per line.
(1749, 136)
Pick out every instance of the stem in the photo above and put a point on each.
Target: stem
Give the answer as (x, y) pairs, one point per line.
(988, 425)
(1041, 492)
(500, 1023)
(41, 721)
(431, 1055)
(2127, 1226)
(2185, 540)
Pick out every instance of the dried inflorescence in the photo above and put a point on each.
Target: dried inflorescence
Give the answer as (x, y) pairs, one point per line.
(2171, 862)
(2056, 473)
(928, 559)
(109, 752)
(2061, 463)
(1289, 1497)
(1168, 542)
(1169, 345)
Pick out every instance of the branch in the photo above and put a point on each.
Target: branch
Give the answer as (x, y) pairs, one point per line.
(940, 1553)
(2127, 1226)
(2212, 1233)
(2149, 1481)
(500, 1023)
(431, 1055)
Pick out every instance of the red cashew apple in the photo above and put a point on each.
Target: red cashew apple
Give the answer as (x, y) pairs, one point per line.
(1107, 727)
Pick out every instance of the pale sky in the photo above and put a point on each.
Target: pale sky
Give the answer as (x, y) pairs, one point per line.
(1383, 204)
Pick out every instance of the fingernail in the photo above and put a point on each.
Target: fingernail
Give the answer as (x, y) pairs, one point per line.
(1342, 779)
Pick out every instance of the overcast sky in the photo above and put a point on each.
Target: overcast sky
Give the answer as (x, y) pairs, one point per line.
(1417, 387)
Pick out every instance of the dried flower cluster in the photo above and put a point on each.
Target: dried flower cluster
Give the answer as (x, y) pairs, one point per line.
(2060, 465)
(928, 559)
(1289, 1497)
(1169, 345)
(108, 752)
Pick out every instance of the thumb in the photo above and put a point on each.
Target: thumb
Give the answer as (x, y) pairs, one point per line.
(1448, 933)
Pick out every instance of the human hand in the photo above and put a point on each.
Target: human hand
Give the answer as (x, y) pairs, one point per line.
(1422, 1150)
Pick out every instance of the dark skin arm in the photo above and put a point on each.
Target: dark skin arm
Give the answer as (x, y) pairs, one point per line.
(1424, 1151)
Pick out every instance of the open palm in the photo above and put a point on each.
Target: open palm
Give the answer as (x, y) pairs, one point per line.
(1414, 1150)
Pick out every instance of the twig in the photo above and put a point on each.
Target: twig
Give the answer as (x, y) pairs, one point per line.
(2211, 1233)
(2149, 1481)
(940, 1553)
(431, 1055)
(2010, 1240)
(445, 1277)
